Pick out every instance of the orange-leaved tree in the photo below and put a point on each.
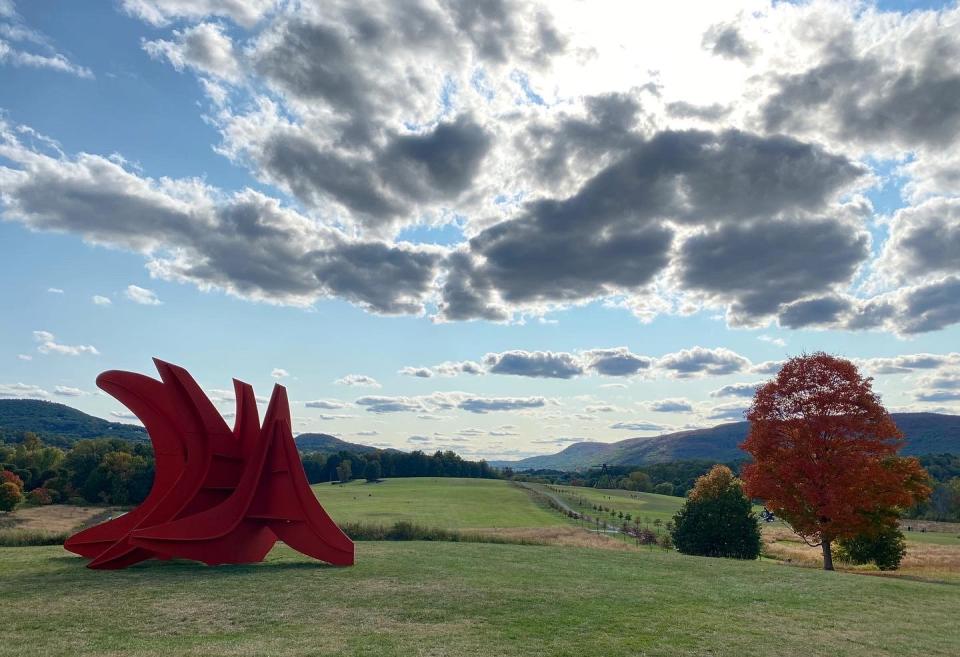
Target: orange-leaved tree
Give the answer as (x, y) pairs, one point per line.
(825, 453)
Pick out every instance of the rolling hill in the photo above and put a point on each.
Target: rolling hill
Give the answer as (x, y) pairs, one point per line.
(322, 442)
(62, 425)
(59, 424)
(926, 433)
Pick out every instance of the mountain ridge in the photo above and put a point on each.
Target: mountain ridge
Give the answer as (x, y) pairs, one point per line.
(926, 433)
(62, 425)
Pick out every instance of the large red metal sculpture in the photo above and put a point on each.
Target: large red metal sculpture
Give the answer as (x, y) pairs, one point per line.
(218, 496)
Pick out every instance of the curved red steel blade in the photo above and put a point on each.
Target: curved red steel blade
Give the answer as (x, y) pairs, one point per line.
(148, 400)
(201, 429)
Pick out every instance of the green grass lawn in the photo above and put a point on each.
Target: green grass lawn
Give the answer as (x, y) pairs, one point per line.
(436, 502)
(936, 538)
(647, 505)
(467, 599)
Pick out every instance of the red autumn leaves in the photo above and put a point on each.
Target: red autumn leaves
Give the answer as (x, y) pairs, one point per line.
(825, 453)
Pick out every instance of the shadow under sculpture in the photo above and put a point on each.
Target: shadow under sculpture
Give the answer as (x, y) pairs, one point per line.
(218, 496)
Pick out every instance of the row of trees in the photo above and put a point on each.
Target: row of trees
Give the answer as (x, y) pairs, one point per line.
(114, 471)
(103, 470)
(323, 467)
(673, 478)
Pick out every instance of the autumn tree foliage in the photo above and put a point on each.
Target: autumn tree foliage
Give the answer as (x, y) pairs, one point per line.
(717, 519)
(825, 453)
(10, 496)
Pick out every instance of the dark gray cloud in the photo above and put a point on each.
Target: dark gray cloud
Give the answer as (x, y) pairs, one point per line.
(326, 404)
(757, 267)
(453, 368)
(538, 364)
(734, 412)
(684, 110)
(245, 244)
(435, 165)
(490, 404)
(937, 395)
(818, 311)
(911, 99)
(639, 426)
(737, 390)
(353, 73)
(700, 361)
(942, 380)
(442, 162)
(573, 143)
(767, 367)
(725, 40)
(379, 404)
(466, 294)
(671, 406)
(929, 307)
(609, 236)
(618, 361)
(495, 27)
(907, 363)
(924, 240)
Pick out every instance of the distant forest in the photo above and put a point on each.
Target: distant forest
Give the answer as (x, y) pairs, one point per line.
(114, 471)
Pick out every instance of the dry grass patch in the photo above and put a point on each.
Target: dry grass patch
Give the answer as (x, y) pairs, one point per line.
(927, 561)
(48, 525)
(564, 536)
(54, 518)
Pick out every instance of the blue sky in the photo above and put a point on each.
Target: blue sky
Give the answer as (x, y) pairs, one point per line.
(276, 193)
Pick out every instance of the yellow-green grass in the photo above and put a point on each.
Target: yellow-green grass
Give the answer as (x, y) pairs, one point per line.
(449, 503)
(467, 599)
(644, 505)
(937, 538)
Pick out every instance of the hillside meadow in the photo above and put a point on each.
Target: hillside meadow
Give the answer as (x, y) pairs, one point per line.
(556, 595)
(418, 598)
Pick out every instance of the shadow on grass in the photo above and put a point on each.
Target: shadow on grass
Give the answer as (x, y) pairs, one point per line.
(77, 565)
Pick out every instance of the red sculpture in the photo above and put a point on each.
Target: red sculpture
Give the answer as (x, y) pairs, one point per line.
(218, 496)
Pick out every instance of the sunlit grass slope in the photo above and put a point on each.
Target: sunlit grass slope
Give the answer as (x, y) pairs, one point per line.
(646, 505)
(467, 599)
(449, 503)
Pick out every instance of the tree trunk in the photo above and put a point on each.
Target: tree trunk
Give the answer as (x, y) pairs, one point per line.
(827, 556)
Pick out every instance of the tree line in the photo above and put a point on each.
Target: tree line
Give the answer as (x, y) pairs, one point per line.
(673, 478)
(120, 472)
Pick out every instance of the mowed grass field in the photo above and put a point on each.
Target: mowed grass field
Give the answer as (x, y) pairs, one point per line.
(644, 505)
(457, 598)
(467, 599)
(449, 503)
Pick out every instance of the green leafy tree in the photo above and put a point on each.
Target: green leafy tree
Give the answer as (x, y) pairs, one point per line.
(885, 547)
(663, 488)
(717, 520)
(344, 471)
(640, 481)
(372, 471)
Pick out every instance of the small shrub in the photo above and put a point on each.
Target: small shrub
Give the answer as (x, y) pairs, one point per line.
(10, 496)
(646, 537)
(11, 477)
(666, 542)
(40, 496)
